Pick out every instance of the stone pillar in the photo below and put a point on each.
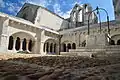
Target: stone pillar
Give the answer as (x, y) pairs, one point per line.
(27, 45)
(21, 45)
(4, 21)
(14, 44)
(53, 48)
(48, 47)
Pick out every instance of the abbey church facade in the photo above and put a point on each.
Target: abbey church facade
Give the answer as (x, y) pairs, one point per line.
(37, 30)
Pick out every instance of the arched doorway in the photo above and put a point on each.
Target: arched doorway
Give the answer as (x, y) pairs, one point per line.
(30, 45)
(118, 42)
(10, 46)
(73, 46)
(17, 46)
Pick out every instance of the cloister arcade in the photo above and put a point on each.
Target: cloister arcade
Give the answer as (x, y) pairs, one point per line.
(50, 46)
(21, 41)
(66, 46)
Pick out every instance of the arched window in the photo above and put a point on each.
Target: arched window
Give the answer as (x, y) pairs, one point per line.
(64, 47)
(80, 16)
(74, 16)
(51, 47)
(17, 46)
(73, 46)
(10, 46)
(118, 42)
(24, 44)
(30, 45)
(86, 8)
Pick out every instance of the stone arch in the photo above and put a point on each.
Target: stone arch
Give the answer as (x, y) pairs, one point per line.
(80, 15)
(10, 45)
(86, 8)
(23, 35)
(64, 47)
(22, 41)
(115, 37)
(74, 16)
(112, 42)
(50, 45)
(68, 46)
(73, 46)
(118, 42)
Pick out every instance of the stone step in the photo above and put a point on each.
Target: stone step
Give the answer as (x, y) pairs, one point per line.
(101, 47)
(89, 54)
(93, 50)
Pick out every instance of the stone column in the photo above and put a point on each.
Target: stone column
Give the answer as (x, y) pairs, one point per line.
(21, 45)
(53, 48)
(49, 47)
(27, 45)
(45, 45)
(14, 43)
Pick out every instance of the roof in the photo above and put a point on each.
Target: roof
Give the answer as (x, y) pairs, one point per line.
(46, 10)
(20, 20)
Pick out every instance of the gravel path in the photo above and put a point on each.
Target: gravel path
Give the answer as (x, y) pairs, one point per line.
(60, 68)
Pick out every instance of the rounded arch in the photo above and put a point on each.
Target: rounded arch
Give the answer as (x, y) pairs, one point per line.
(112, 42)
(50, 46)
(64, 47)
(23, 35)
(73, 46)
(68, 46)
(118, 42)
(10, 45)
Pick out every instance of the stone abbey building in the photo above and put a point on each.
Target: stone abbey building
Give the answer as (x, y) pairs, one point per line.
(37, 30)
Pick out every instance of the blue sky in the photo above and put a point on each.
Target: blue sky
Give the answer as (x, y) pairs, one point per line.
(60, 7)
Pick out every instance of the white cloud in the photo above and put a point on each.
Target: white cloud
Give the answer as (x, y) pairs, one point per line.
(13, 8)
(57, 10)
(2, 3)
(43, 3)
